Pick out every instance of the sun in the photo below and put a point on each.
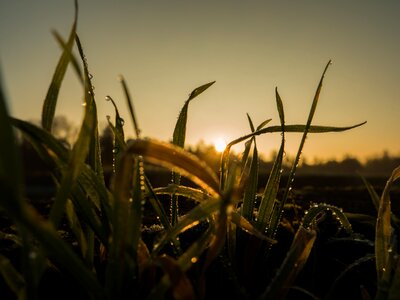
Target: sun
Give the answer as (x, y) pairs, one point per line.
(219, 144)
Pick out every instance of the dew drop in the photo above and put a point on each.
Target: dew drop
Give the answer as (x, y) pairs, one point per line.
(32, 255)
(90, 76)
(84, 104)
(194, 260)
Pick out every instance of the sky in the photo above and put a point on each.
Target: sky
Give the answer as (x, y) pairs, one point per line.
(166, 48)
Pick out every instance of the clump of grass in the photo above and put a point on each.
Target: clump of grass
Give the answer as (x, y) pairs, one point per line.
(112, 260)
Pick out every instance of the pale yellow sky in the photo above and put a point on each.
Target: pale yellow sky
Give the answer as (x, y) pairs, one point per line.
(165, 49)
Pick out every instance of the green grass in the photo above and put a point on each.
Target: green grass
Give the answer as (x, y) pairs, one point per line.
(113, 261)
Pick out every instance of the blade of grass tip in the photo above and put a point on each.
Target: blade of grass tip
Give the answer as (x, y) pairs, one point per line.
(50, 102)
(300, 150)
(372, 193)
(268, 199)
(178, 139)
(250, 191)
(80, 149)
(119, 137)
(130, 106)
(292, 265)
(384, 231)
(187, 192)
(74, 60)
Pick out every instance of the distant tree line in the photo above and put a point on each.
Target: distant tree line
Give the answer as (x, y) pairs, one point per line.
(67, 133)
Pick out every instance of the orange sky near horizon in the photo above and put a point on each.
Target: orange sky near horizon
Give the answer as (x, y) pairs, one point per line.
(165, 49)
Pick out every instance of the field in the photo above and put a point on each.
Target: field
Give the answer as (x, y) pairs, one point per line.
(161, 224)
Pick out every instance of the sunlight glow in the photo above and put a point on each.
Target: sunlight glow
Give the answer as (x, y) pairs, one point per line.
(219, 144)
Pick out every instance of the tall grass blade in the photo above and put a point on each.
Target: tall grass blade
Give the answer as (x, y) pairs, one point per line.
(268, 200)
(119, 136)
(74, 60)
(50, 102)
(178, 139)
(250, 190)
(372, 193)
(384, 232)
(307, 128)
(80, 149)
(292, 265)
(130, 106)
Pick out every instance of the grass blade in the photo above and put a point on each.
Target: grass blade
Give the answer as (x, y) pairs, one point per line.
(50, 102)
(170, 156)
(74, 60)
(268, 199)
(292, 265)
(80, 149)
(276, 220)
(384, 231)
(130, 106)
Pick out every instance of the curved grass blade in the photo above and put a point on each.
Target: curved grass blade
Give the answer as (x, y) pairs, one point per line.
(50, 102)
(130, 106)
(180, 190)
(311, 215)
(171, 156)
(384, 231)
(292, 265)
(80, 149)
(180, 127)
(74, 60)
(349, 268)
(178, 139)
